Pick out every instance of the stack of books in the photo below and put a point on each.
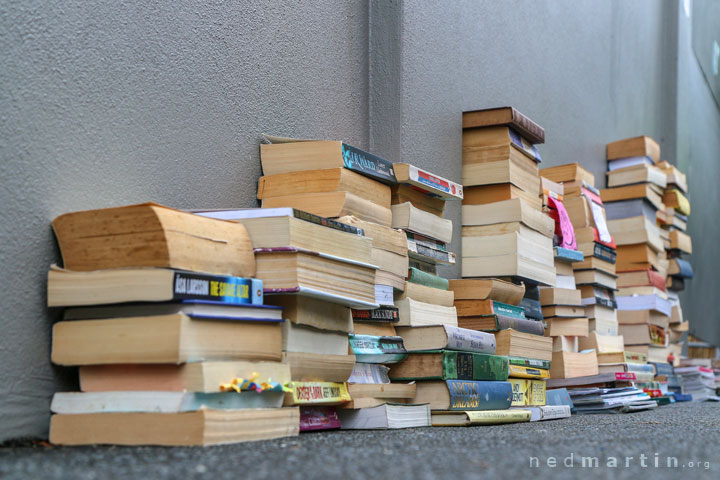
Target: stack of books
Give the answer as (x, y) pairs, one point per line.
(505, 233)
(168, 326)
(633, 200)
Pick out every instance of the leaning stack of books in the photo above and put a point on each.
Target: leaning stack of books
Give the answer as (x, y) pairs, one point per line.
(169, 329)
(633, 199)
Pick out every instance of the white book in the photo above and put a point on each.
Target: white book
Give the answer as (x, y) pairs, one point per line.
(385, 416)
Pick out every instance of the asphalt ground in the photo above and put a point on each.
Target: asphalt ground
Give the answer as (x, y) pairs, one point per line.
(688, 433)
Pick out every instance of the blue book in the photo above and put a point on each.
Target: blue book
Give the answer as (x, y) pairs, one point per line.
(662, 369)
(567, 255)
(630, 208)
(684, 268)
(478, 395)
(559, 396)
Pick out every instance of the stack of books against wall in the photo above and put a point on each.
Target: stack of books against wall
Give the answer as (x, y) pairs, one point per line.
(634, 199)
(167, 323)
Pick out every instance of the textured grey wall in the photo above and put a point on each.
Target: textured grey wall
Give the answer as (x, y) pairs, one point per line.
(110, 104)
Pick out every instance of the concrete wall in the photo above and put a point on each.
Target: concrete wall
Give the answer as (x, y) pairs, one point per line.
(111, 104)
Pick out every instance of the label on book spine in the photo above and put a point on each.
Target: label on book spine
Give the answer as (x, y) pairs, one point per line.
(479, 395)
(377, 349)
(500, 308)
(603, 252)
(217, 288)
(382, 314)
(474, 366)
(469, 340)
(319, 393)
(368, 164)
(434, 183)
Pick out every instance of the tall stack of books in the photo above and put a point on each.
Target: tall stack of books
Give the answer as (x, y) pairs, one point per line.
(593, 272)
(633, 199)
(169, 329)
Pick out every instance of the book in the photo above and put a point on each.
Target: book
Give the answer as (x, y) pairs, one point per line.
(333, 205)
(572, 364)
(504, 255)
(566, 311)
(379, 391)
(635, 334)
(192, 377)
(529, 362)
(195, 309)
(464, 395)
(407, 217)
(558, 396)
(594, 263)
(567, 173)
(642, 191)
(602, 343)
(598, 379)
(316, 393)
(505, 116)
(470, 418)
(521, 371)
(419, 198)
(599, 251)
(318, 418)
(285, 155)
(123, 285)
(75, 403)
(498, 142)
(675, 177)
(521, 172)
(380, 329)
(564, 343)
(494, 323)
(508, 211)
(386, 416)
(596, 277)
(621, 357)
(680, 241)
(644, 302)
(565, 255)
(323, 181)
(294, 270)
(472, 308)
(573, 327)
(450, 365)
(637, 174)
(446, 337)
(303, 338)
(675, 199)
(313, 312)
(421, 293)
(390, 262)
(377, 349)
(680, 268)
(513, 343)
(634, 147)
(560, 296)
(527, 392)
(428, 254)
(427, 182)
(419, 277)
(163, 339)
(619, 163)
(633, 230)
(383, 314)
(151, 235)
(631, 208)
(369, 373)
(289, 227)
(498, 192)
(313, 367)
(532, 308)
(487, 289)
(413, 313)
(382, 237)
(202, 427)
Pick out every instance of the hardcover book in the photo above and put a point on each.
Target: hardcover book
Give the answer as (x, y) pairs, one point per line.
(446, 337)
(465, 395)
(505, 116)
(376, 349)
(428, 183)
(318, 418)
(450, 365)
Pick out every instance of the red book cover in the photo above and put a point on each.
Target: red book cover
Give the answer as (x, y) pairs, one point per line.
(625, 376)
(318, 418)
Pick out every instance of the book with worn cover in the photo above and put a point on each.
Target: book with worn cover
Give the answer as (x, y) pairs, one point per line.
(470, 418)
(317, 393)
(450, 365)
(416, 275)
(382, 314)
(465, 394)
(496, 323)
(472, 308)
(385, 416)
(427, 182)
(318, 418)
(376, 349)
(505, 116)
(529, 362)
(446, 337)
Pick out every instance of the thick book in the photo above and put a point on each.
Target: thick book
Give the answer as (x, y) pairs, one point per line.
(407, 217)
(303, 338)
(514, 210)
(414, 313)
(151, 235)
(312, 312)
(470, 418)
(382, 237)
(385, 416)
(675, 199)
(333, 205)
(318, 418)
(487, 289)
(446, 337)
(421, 293)
(639, 191)
(163, 339)
(382, 314)
(496, 323)
(532, 309)
(192, 377)
(450, 365)
(631, 208)
(472, 308)
(73, 403)
(123, 285)
(427, 279)
(513, 343)
(570, 172)
(634, 147)
(285, 155)
(377, 349)
(644, 302)
(637, 174)
(485, 145)
(560, 296)
(573, 364)
(464, 394)
(419, 198)
(202, 427)
(497, 192)
(521, 172)
(314, 367)
(428, 254)
(427, 182)
(505, 116)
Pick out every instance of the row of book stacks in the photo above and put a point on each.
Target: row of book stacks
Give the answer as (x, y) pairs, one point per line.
(326, 308)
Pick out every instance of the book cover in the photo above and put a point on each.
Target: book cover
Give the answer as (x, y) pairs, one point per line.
(684, 268)
(532, 308)
(527, 392)
(376, 349)
(427, 279)
(495, 417)
(317, 393)
(479, 395)
(524, 146)
(368, 164)
(430, 254)
(464, 366)
(318, 418)
(382, 314)
(464, 339)
(567, 255)
(604, 252)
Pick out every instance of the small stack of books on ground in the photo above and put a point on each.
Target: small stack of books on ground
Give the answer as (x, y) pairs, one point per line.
(169, 329)
(633, 200)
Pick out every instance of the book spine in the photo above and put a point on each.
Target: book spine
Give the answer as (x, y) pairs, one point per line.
(368, 164)
(318, 393)
(377, 349)
(530, 362)
(427, 242)
(369, 373)
(217, 288)
(532, 308)
(479, 395)
(521, 371)
(604, 253)
(382, 314)
(494, 417)
(534, 132)
(550, 412)
(469, 340)
(473, 366)
(428, 279)
(625, 376)
(508, 310)
(567, 255)
(436, 183)
(318, 418)
(521, 325)
(431, 253)
(326, 222)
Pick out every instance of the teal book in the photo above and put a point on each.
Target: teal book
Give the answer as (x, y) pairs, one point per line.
(427, 279)
(377, 349)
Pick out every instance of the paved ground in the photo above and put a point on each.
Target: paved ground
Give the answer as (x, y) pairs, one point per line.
(688, 432)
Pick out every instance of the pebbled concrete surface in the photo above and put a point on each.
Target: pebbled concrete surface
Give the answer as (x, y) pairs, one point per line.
(689, 432)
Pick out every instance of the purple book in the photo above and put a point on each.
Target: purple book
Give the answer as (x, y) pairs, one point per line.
(318, 418)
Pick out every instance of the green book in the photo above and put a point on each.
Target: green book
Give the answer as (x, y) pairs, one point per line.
(427, 279)
(530, 362)
(450, 365)
(513, 311)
